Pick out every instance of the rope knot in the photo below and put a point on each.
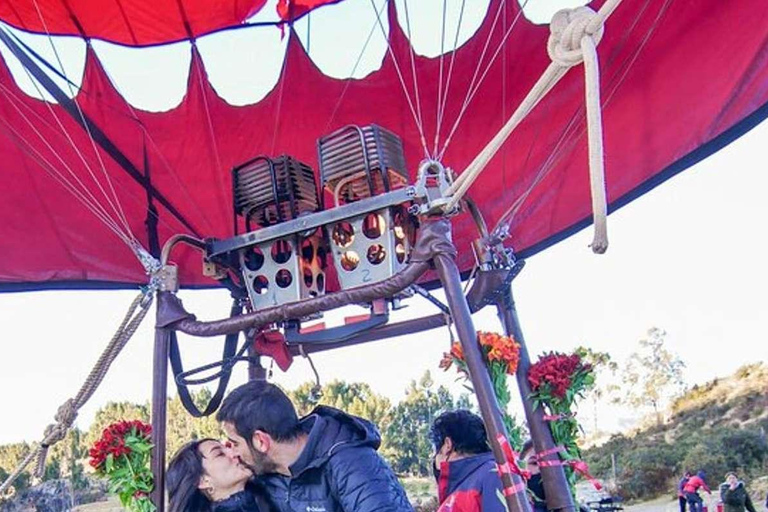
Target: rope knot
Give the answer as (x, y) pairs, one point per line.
(54, 433)
(66, 413)
(65, 417)
(567, 29)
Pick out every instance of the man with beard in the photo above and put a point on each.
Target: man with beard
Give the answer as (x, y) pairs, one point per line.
(324, 462)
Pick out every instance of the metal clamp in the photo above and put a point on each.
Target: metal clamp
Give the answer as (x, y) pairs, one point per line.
(167, 278)
(432, 182)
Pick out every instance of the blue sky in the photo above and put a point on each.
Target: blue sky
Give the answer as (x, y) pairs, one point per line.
(688, 257)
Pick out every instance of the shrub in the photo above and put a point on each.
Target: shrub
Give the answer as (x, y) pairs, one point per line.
(647, 471)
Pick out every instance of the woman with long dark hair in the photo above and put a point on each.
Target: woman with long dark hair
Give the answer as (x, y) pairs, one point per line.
(204, 476)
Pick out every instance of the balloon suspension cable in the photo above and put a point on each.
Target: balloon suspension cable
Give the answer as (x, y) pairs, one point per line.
(351, 74)
(444, 101)
(72, 183)
(316, 393)
(114, 200)
(431, 298)
(67, 412)
(416, 118)
(414, 75)
(475, 83)
(574, 36)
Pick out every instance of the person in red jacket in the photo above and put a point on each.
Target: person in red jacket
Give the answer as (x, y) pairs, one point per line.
(467, 478)
(691, 491)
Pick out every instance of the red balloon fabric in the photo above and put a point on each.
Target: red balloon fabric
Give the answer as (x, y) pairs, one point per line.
(678, 81)
(140, 22)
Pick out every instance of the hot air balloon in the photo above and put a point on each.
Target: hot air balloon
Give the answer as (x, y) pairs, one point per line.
(362, 188)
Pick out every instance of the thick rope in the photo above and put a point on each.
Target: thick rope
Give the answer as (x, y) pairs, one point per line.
(67, 412)
(574, 35)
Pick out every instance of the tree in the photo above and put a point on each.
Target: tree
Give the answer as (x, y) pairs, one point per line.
(114, 412)
(407, 444)
(356, 398)
(64, 459)
(605, 369)
(182, 427)
(652, 374)
(10, 456)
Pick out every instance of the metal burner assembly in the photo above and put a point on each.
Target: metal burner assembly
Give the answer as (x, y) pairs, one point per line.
(268, 192)
(368, 231)
(355, 164)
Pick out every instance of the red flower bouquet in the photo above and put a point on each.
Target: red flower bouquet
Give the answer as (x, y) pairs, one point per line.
(501, 355)
(122, 456)
(557, 380)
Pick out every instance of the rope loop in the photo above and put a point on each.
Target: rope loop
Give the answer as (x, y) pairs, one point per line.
(567, 29)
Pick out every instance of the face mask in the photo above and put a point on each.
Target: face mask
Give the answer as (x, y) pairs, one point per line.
(435, 467)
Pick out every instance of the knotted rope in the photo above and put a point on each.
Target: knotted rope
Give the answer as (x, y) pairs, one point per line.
(67, 412)
(574, 35)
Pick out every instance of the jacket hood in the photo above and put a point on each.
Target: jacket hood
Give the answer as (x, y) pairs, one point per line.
(453, 474)
(330, 430)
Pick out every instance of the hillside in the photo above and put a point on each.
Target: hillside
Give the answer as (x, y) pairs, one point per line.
(717, 427)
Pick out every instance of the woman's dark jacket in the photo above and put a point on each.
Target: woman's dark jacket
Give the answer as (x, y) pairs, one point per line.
(250, 500)
(735, 500)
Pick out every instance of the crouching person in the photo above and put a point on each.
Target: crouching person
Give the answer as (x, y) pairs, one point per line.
(467, 478)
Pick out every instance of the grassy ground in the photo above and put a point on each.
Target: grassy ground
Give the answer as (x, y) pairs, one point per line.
(419, 488)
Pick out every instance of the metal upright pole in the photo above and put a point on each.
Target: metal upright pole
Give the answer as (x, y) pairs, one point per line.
(159, 414)
(556, 488)
(489, 407)
(256, 370)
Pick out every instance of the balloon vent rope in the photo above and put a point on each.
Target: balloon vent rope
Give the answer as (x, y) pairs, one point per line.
(574, 36)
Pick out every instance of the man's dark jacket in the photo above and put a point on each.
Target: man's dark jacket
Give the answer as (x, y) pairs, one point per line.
(338, 470)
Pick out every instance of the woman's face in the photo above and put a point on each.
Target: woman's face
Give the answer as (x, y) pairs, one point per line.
(731, 480)
(224, 474)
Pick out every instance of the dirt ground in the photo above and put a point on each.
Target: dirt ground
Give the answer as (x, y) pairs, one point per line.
(659, 505)
(113, 505)
(668, 505)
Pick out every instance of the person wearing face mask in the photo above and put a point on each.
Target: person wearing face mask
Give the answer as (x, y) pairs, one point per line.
(535, 484)
(734, 495)
(205, 476)
(467, 478)
(324, 462)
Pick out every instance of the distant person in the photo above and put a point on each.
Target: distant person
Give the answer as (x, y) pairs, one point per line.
(205, 476)
(691, 491)
(680, 492)
(467, 478)
(536, 485)
(734, 495)
(324, 462)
